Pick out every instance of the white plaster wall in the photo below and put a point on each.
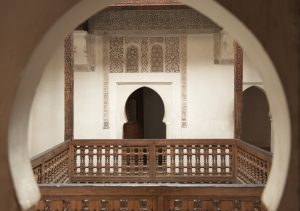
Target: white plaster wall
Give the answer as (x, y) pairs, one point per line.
(46, 124)
(88, 100)
(209, 94)
(251, 76)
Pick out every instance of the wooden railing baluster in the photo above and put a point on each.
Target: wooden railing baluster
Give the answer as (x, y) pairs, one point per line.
(197, 161)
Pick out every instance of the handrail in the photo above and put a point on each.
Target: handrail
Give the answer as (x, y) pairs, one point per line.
(153, 141)
(153, 160)
(130, 160)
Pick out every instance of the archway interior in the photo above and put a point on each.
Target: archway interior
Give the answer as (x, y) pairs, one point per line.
(144, 109)
(256, 123)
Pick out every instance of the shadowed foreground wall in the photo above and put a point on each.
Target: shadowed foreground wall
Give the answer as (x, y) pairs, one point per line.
(275, 23)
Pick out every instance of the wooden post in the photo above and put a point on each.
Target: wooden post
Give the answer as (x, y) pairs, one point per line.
(69, 88)
(238, 90)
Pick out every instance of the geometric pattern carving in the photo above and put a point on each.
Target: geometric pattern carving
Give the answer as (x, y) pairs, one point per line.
(151, 22)
(162, 53)
(116, 54)
(144, 54)
(157, 58)
(172, 54)
(132, 59)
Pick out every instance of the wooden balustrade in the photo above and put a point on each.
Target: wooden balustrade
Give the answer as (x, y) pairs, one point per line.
(253, 163)
(145, 197)
(205, 161)
(152, 161)
(51, 166)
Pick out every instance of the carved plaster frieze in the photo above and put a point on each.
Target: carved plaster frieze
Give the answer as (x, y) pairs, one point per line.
(151, 22)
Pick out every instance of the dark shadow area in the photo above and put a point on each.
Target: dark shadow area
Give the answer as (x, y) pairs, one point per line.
(256, 123)
(145, 111)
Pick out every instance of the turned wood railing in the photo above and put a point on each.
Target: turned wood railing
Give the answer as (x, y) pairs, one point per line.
(143, 197)
(152, 161)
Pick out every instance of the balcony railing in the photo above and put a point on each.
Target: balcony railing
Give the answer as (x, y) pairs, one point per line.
(152, 161)
(149, 175)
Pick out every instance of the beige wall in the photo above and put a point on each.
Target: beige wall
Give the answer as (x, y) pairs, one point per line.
(46, 126)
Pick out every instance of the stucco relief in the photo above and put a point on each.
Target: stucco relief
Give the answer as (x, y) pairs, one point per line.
(172, 54)
(157, 63)
(144, 54)
(166, 53)
(167, 21)
(116, 54)
(132, 59)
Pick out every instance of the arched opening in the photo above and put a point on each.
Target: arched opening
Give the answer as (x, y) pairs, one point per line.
(32, 73)
(256, 123)
(144, 110)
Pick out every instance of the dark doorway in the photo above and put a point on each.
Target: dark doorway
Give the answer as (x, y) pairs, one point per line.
(256, 123)
(145, 111)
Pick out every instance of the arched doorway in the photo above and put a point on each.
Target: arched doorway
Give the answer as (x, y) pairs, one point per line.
(144, 110)
(256, 123)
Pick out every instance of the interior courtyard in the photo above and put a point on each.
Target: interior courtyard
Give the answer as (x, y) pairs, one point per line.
(153, 105)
